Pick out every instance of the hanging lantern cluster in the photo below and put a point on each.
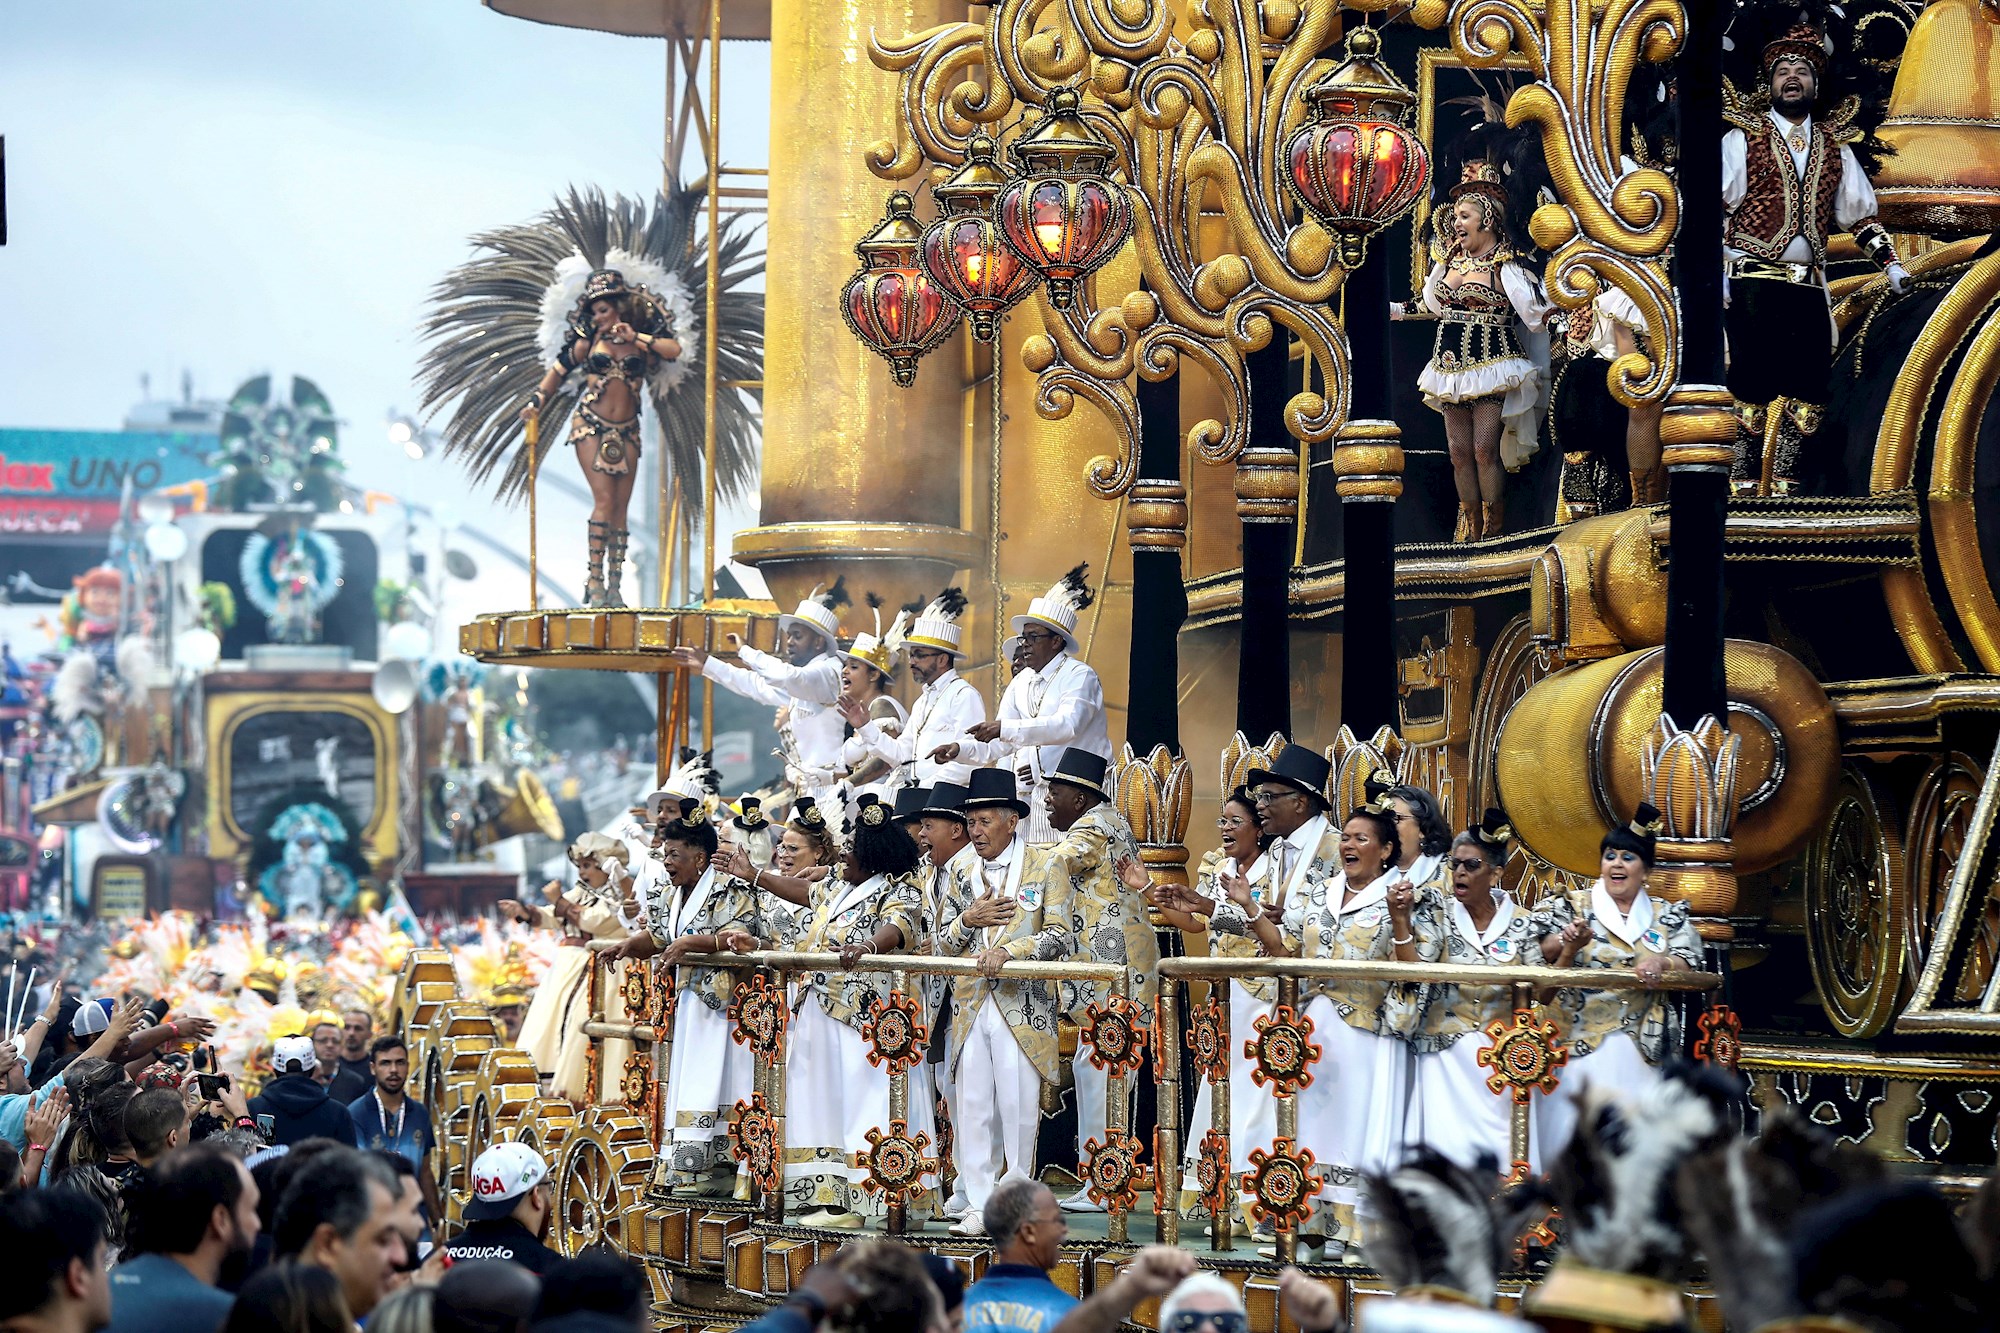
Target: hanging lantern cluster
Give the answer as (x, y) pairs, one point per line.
(892, 305)
(1058, 220)
(1356, 165)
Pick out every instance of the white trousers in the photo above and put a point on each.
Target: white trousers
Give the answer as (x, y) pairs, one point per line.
(1092, 1087)
(999, 1107)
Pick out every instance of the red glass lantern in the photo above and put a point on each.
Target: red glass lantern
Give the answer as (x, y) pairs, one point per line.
(965, 253)
(1063, 214)
(1355, 165)
(892, 305)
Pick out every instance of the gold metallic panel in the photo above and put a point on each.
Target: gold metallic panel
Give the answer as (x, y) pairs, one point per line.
(1568, 760)
(1943, 126)
(1156, 515)
(1953, 518)
(653, 631)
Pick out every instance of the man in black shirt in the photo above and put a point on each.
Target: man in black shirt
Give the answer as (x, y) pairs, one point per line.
(357, 1035)
(509, 1210)
(342, 1085)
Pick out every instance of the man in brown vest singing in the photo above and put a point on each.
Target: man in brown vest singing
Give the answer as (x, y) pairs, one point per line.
(1788, 182)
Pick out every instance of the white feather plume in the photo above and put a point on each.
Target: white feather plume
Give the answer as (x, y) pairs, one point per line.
(560, 297)
(75, 690)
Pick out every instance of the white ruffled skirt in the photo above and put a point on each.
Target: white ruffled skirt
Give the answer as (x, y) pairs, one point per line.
(1516, 381)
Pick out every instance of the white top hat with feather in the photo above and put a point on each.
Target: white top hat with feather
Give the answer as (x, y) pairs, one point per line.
(819, 613)
(693, 778)
(878, 650)
(1056, 609)
(937, 627)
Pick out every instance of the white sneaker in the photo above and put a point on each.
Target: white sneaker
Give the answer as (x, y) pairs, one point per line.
(1081, 1202)
(969, 1225)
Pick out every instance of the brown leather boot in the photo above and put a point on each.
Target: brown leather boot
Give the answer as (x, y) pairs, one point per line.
(1468, 523)
(1798, 423)
(1648, 487)
(1492, 517)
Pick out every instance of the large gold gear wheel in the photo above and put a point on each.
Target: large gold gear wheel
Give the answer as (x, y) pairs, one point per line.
(461, 1035)
(503, 1091)
(427, 980)
(545, 1124)
(1935, 834)
(1857, 899)
(600, 1181)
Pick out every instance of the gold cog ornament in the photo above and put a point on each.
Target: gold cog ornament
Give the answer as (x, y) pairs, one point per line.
(1117, 1038)
(1111, 1170)
(666, 1002)
(1721, 1039)
(638, 1080)
(1282, 1182)
(894, 1033)
(758, 1010)
(1524, 1056)
(896, 1161)
(753, 1141)
(632, 986)
(1284, 1051)
(1211, 1055)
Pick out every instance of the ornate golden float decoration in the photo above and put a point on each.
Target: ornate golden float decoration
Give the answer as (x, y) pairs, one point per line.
(1115, 1035)
(1284, 1051)
(894, 1033)
(896, 1161)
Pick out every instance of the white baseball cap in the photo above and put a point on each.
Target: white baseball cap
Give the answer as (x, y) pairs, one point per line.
(92, 1016)
(293, 1055)
(500, 1176)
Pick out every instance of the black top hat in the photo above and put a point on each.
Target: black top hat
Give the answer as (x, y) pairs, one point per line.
(1081, 768)
(753, 814)
(993, 787)
(1298, 768)
(944, 801)
(910, 802)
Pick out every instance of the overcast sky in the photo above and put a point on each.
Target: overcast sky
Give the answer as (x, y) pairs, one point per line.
(230, 187)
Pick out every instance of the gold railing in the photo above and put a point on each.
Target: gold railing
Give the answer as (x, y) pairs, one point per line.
(1525, 1054)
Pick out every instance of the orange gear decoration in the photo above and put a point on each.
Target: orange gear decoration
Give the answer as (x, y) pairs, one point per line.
(1211, 1171)
(666, 1001)
(1282, 1182)
(1111, 1170)
(896, 1162)
(1524, 1056)
(894, 1033)
(1284, 1051)
(1721, 1039)
(753, 1140)
(1205, 1036)
(632, 987)
(758, 1010)
(1116, 1035)
(637, 1083)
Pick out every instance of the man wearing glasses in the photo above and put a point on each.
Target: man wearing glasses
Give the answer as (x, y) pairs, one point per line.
(1290, 798)
(1056, 702)
(948, 708)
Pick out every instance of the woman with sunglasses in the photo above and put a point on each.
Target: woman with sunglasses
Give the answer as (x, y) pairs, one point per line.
(1352, 1114)
(1616, 1038)
(1453, 1111)
(1238, 868)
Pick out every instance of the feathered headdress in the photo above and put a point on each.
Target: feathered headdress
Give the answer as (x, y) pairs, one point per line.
(1440, 1226)
(1505, 163)
(937, 628)
(1056, 609)
(878, 650)
(819, 611)
(496, 323)
(694, 778)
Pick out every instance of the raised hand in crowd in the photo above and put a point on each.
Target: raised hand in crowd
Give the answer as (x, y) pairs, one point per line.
(1311, 1304)
(514, 911)
(730, 860)
(1153, 1272)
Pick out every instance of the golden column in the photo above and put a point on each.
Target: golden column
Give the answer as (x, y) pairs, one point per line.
(859, 477)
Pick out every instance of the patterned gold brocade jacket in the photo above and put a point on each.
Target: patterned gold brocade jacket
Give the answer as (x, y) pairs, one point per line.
(1650, 1018)
(1107, 920)
(840, 914)
(716, 903)
(1039, 931)
(1451, 1012)
(1208, 883)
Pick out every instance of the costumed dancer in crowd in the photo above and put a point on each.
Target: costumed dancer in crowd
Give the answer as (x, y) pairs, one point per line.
(1788, 183)
(1107, 925)
(1452, 1109)
(1582, 410)
(618, 336)
(949, 858)
(948, 707)
(1480, 375)
(1616, 1038)
(552, 1033)
(1241, 869)
(803, 687)
(833, 1095)
(1356, 907)
(867, 674)
(1003, 1031)
(1056, 702)
(707, 1072)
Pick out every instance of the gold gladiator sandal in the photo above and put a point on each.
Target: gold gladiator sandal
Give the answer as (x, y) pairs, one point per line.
(1492, 517)
(1746, 474)
(614, 567)
(1468, 523)
(1798, 423)
(593, 582)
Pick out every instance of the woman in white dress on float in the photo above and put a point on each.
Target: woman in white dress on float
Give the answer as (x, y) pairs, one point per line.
(1616, 1038)
(1453, 1110)
(1239, 870)
(1351, 1115)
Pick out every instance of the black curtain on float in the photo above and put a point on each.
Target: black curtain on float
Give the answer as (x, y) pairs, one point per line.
(1159, 597)
(1368, 620)
(1264, 663)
